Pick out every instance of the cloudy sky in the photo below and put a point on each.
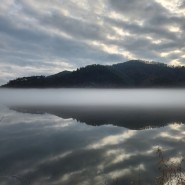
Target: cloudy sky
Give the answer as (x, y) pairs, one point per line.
(49, 36)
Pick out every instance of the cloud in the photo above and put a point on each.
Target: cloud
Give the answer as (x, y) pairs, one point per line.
(36, 34)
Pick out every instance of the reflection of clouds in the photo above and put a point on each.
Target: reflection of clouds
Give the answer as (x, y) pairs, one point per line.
(176, 126)
(167, 135)
(112, 140)
(174, 132)
(39, 149)
(58, 157)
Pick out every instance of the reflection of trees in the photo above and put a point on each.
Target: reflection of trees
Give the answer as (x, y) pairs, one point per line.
(132, 118)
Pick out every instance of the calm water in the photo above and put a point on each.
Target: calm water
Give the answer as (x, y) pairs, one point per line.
(88, 137)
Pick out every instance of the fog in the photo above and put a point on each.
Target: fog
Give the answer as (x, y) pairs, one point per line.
(154, 98)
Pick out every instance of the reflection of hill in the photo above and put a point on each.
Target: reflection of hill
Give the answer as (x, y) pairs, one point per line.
(132, 118)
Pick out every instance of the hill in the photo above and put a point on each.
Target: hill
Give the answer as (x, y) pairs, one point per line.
(134, 73)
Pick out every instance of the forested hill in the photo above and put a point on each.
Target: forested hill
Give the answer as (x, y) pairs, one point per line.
(134, 73)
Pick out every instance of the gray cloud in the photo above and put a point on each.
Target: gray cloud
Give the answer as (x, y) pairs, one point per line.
(182, 4)
(137, 9)
(53, 36)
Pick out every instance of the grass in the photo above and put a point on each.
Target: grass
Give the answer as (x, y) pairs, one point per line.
(171, 172)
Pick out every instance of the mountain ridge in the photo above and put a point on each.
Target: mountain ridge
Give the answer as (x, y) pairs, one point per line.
(134, 73)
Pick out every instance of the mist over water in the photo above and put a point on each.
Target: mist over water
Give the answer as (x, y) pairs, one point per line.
(95, 97)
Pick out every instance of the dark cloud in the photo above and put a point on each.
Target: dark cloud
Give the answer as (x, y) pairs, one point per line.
(138, 9)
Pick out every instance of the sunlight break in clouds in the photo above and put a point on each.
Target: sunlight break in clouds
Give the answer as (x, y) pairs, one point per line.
(37, 33)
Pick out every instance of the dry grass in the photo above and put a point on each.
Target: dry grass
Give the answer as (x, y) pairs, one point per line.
(171, 172)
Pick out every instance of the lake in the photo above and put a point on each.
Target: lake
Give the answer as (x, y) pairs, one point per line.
(89, 136)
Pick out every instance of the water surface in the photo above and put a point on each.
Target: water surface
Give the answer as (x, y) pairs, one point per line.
(87, 137)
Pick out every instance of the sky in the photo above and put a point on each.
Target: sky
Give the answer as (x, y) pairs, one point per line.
(43, 37)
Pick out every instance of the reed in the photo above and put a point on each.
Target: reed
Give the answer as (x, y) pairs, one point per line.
(171, 172)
